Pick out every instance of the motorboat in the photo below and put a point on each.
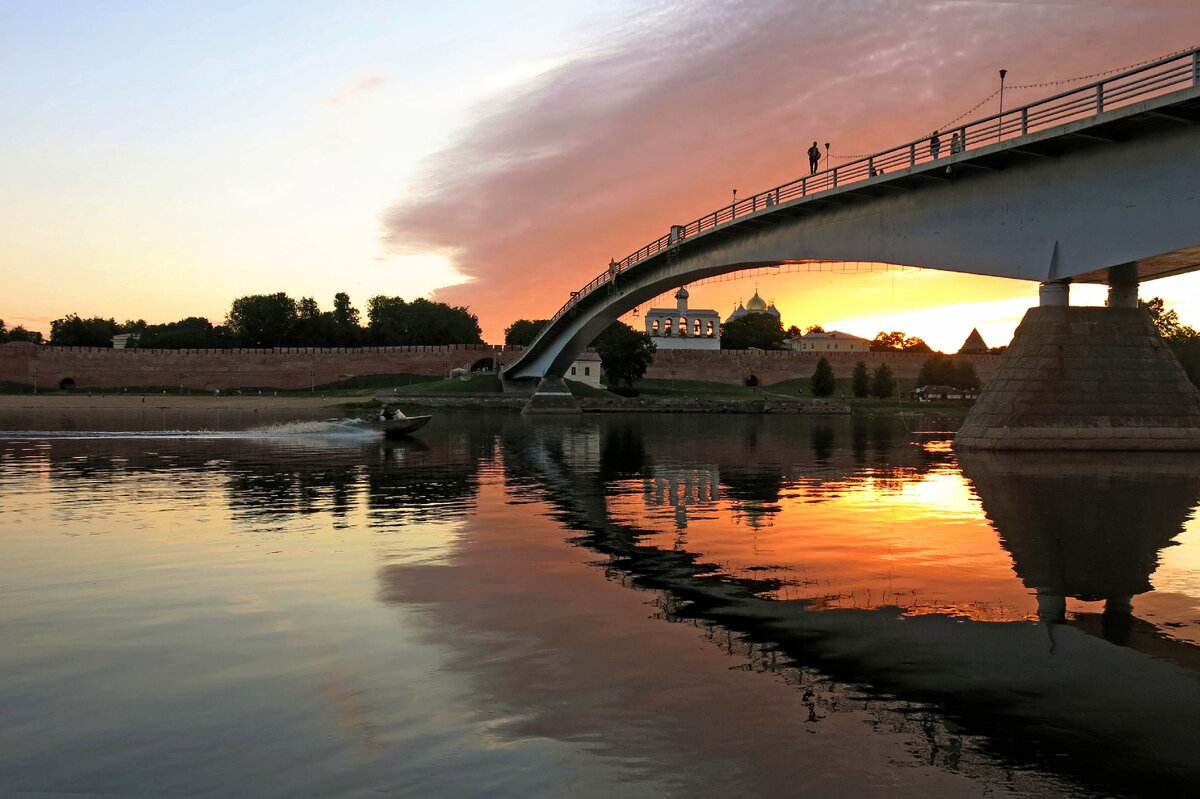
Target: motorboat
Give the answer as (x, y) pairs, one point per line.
(394, 424)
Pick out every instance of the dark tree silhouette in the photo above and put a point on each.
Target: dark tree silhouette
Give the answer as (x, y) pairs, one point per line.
(823, 382)
(860, 381)
(625, 353)
(882, 383)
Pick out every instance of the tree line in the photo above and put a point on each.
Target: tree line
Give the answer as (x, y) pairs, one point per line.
(277, 320)
(758, 331)
(1183, 340)
(19, 333)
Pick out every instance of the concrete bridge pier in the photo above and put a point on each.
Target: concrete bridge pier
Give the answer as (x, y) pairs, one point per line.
(552, 396)
(1086, 378)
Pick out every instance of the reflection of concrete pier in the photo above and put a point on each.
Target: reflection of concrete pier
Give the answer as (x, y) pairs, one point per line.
(1089, 527)
(1103, 711)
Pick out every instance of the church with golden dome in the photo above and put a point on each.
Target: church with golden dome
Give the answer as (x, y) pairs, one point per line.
(755, 304)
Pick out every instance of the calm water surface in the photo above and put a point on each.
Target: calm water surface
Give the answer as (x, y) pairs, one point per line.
(651, 605)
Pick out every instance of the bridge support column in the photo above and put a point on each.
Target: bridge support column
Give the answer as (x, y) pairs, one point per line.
(1055, 293)
(552, 396)
(1123, 286)
(1085, 378)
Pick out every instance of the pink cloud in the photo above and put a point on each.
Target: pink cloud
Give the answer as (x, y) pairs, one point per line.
(595, 159)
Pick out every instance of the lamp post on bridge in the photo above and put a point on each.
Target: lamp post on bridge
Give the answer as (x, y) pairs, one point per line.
(1000, 119)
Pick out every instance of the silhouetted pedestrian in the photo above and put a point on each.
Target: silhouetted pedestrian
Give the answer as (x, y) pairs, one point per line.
(956, 145)
(814, 158)
(935, 145)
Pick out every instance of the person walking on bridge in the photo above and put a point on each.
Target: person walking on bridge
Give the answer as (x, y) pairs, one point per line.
(935, 145)
(814, 158)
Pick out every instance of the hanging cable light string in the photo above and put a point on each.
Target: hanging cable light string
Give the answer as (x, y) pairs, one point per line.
(1060, 82)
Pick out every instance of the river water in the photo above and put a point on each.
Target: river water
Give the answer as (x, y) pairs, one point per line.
(611, 605)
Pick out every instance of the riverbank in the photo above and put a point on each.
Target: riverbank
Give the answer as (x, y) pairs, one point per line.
(67, 401)
(681, 402)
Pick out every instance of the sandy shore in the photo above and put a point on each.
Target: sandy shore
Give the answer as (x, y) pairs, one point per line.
(173, 401)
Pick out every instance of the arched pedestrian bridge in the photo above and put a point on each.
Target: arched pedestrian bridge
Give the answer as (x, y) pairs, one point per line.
(1100, 184)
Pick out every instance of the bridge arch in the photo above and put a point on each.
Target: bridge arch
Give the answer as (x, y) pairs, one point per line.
(1058, 191)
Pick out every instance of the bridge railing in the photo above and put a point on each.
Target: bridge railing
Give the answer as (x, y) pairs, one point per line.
(1150, 80)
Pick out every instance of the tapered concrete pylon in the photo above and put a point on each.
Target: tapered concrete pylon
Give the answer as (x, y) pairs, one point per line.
(552, 396)
(1085, 378)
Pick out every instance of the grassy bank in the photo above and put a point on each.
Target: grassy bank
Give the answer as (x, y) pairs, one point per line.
(367, 391)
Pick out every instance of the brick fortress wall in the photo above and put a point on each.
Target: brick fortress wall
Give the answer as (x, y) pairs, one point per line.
(209, 370)
(734, 366)
(301, 368)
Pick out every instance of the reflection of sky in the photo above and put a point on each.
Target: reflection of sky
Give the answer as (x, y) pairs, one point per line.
(357, 618)
(914, 540)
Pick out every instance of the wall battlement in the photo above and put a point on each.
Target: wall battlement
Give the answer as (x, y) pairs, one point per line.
(298, 368)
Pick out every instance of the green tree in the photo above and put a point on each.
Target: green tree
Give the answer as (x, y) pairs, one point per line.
(1165, 319)
(312, 328)
(964, 374)
(860, 381)
(823, 382)
(263, 320)
(346, 328)
(19, 333)
(392, 322)
(1183, 340)
(754, 330)
(883, 385)
(193, 333)
(944, 370)
(522, 332)
(71, 331)
(897, 341)
(936, 371)
(625, 353)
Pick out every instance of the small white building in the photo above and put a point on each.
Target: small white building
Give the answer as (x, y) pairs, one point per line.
(683, 328)
(585, 369)
(833, 341)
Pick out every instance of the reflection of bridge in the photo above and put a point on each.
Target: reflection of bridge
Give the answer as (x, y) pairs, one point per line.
(1048, 690)
(1056, 191)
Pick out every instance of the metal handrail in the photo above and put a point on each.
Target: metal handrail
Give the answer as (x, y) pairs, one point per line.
(1153, 79)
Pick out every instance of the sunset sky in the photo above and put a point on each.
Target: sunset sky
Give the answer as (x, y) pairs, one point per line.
(158, 160)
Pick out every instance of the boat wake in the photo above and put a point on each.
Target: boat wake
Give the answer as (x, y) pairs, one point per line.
(340, 429)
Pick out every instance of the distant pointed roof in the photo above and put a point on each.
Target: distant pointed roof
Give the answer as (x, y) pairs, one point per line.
(974, 345)
(756, 303)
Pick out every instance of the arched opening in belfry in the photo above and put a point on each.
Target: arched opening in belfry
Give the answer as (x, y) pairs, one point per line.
(66, 384)
(683, 325)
